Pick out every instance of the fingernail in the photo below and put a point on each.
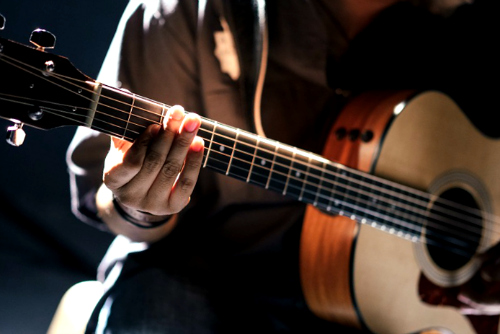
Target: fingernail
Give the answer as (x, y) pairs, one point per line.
(197, 144)
(176, 114)
(190, 125)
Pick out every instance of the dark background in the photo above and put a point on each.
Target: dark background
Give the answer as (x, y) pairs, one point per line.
(44, 249)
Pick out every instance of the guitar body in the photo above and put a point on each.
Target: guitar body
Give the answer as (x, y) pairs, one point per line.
(366, 278)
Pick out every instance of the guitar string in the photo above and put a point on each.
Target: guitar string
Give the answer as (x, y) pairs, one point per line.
(396, 211)
(395, 220)
(321, 178)
(436, 199)
(427, 240)
(123, 103)
(114, 99)
(410, 190)
(202, 129)
(52, 74)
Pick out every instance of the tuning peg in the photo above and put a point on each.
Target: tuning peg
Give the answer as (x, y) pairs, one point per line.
(43, 39)
(16, 134)
(2, 22)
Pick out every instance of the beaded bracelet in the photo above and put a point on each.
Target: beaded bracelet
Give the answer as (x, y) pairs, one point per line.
(145, 217)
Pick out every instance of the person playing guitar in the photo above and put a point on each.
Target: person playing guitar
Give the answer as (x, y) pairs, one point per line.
(351, 192)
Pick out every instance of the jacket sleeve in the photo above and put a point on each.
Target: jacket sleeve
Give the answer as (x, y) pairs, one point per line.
(152, 54)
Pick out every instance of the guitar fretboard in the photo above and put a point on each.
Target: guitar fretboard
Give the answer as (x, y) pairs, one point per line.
(311, 179)
(67, 97)
(293, 172)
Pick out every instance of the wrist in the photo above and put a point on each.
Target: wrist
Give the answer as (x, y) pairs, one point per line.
(117, 225)
(139, 218)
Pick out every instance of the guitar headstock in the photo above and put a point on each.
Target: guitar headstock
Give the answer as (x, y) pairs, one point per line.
(40, 89)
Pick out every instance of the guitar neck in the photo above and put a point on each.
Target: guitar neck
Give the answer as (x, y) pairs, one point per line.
(269, 164)
(50, 92)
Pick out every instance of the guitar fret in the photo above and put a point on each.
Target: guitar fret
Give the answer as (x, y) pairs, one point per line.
(253, 161)
(272, 165)
(281, 169)
(289, 172)
(340, 194)
(243, 153)
(232, 153)
(304, 183)
(380, 218)
(298, 177)
(210, 144)
(129, 114)
(263, 157)
(395, 211)
(329, 191)
(398, 219)
(221, 148)
(125, 115)
(357, 191)
(320, 186)
(380, 205)
(370, 203)
(312, 180)
(144, 113)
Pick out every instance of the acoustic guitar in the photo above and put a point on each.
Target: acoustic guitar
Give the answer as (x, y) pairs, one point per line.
(403, 198)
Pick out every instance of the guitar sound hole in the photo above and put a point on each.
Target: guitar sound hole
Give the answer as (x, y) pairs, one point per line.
(453, 231)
